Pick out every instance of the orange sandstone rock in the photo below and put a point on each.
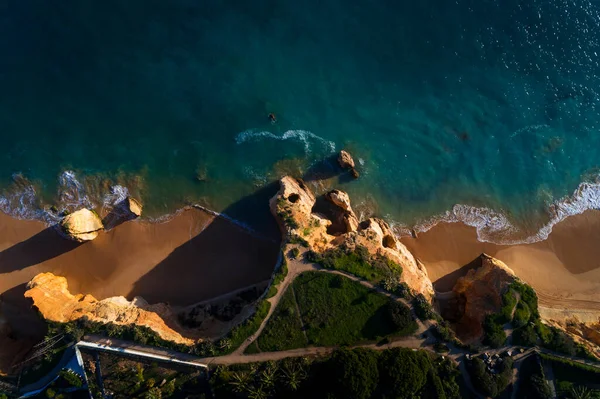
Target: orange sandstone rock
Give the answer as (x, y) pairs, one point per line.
(51, 296)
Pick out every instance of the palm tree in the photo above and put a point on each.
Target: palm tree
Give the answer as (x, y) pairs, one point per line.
(581, 392)
(153, 393)
(293, 376)
(256, 393)
(240, 382)
(268, 376)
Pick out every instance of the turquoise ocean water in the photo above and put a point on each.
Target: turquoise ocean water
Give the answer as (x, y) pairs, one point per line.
(489, 104)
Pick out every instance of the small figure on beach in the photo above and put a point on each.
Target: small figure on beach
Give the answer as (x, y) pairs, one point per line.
(272, 118)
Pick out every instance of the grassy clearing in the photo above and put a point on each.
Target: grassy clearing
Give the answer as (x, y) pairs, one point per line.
(338, 311)
(359, 262)
(283, 331)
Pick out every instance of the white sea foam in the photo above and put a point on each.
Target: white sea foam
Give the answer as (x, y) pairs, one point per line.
(22, 202)
(117, 195)
(303, 136)
(492, 226)
(71, 193)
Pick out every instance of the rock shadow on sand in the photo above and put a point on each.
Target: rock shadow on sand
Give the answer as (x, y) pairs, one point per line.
(118, 215)
(45, 245)
(223, 257)
(446, 283)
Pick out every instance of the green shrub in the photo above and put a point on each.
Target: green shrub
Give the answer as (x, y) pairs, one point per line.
(284, 329)
(522, 315)
(525, 336)
(443, 332)
(567, 370)
(272, 291)
(403, 372)
(338, 311)
(509, 301)
(239, 334)
(494, 335)
(354, 373)
(294, 253)
(359, 262)
(423, 308)
(71, 379)
(401, 318)
(402, 290)
(489, 384)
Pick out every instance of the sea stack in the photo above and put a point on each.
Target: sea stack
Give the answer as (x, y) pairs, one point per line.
(134, 207)
(82, 225)
(347, 162)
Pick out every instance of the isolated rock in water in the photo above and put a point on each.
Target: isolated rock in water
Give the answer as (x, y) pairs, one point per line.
(345, 160)
(51, 296)
(134, 207)
(82, 225)
(354, 173)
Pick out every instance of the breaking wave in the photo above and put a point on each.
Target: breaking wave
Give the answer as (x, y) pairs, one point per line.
(303, 136)
(495, 227)
(22, 200)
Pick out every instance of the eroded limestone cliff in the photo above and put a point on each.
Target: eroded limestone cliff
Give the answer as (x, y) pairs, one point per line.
(330, 222)
(478, 294)
(51, 296)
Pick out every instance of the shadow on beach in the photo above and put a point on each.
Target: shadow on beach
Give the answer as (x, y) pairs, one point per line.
(222, 258)
(43, 246)
(118, 215)
(446, 283)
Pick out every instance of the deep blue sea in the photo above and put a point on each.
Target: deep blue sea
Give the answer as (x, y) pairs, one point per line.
(488, 104)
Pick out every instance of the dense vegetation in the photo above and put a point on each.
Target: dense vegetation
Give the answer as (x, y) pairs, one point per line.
(423, 308)
(338, 311)
(68, 385)
(358, 373)
(357, 261)
(520, 308)
(127, 378)
(487, 383)
(571, 376)
(333, 310)
(532, 380)
(284, 329)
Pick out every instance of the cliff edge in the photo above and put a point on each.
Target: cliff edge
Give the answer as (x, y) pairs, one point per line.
(51, 296)
(479, 294)
(329, 222)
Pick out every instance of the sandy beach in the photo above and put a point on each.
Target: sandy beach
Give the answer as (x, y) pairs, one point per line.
(564, 269)
(193, 257)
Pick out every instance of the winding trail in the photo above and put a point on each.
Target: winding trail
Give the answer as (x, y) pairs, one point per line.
(298, 266)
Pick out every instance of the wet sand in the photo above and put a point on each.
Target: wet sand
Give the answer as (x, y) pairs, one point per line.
(193, 257)
(564, 269)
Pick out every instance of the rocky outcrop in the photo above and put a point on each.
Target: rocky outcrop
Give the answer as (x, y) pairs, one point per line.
(293, 207)
(478, 294)
(586, 334)
(134, 207)
(51, 296)
(342, 201)
(82, 225)
(347, 162)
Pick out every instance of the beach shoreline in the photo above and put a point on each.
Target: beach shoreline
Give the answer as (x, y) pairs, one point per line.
(192, 257)
(564, 269)
(197, 254)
